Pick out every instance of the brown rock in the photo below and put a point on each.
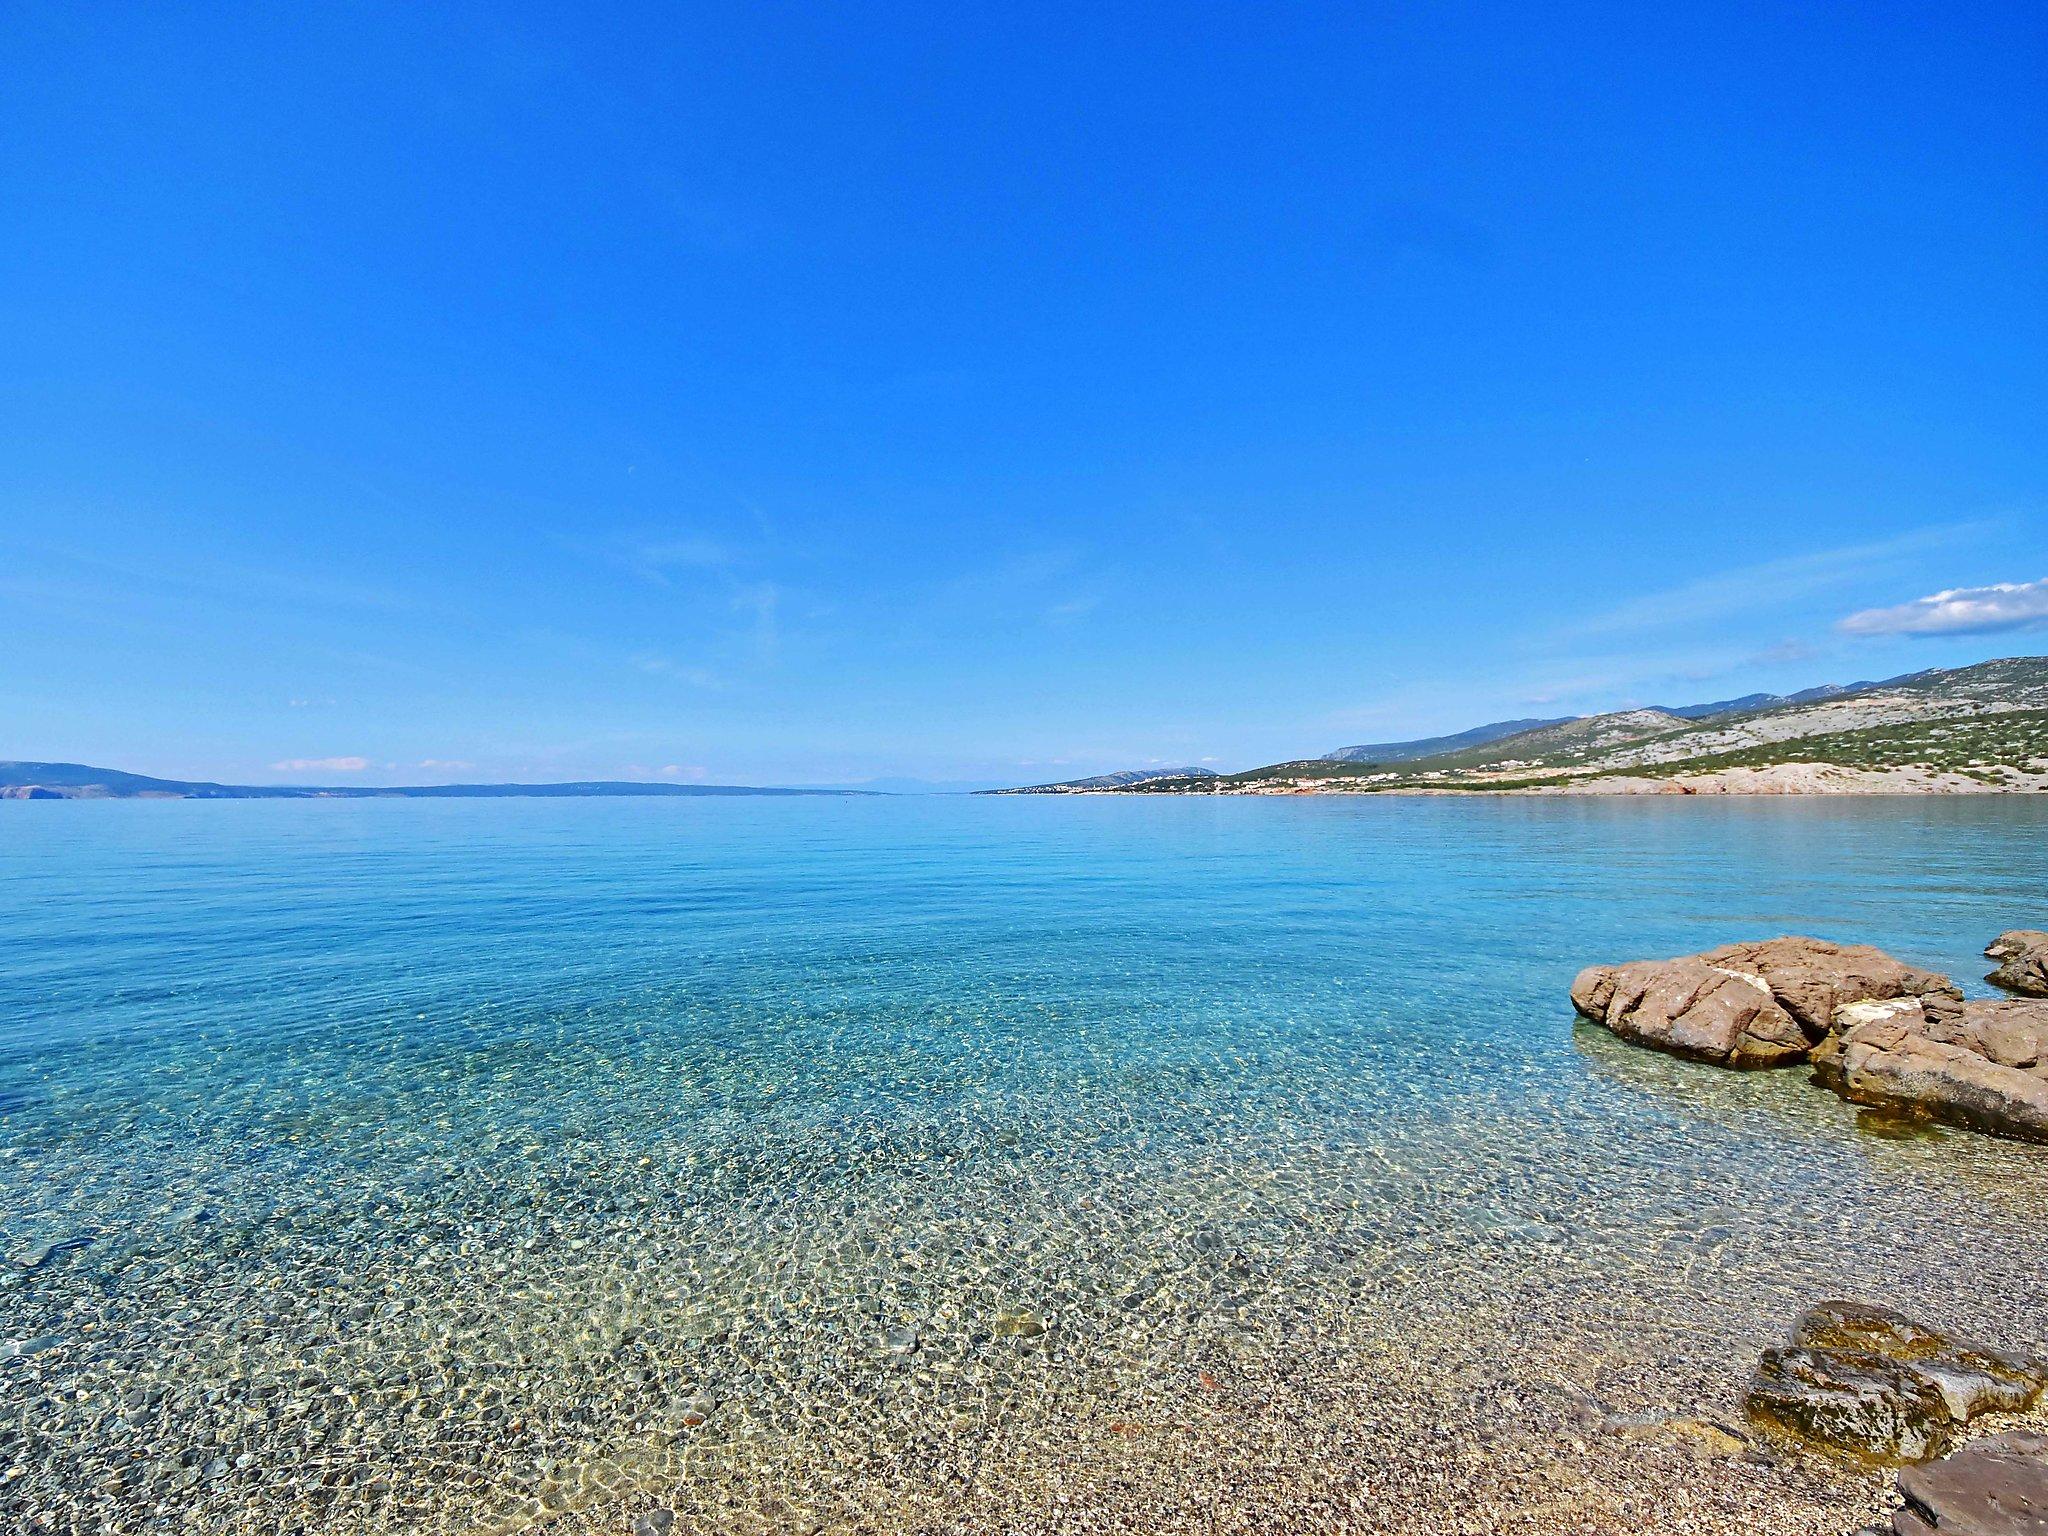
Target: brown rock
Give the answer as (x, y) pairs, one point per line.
(1748, 1005)
(1992, 1487)
(1691, 1008)
(1702, 1437)
(1972, 1378)
(1851, 1404)
(1983, 1066)
(2023, 954)
(1869, 1385)
(1811, 978)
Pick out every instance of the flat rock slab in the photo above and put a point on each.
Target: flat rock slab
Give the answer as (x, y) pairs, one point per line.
(1992, 1487)
(2023, 961)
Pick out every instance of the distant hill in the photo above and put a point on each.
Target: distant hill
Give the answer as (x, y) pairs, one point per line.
(77, 781)
(1480, 735)
(1755, 701)
(1430, 746)
(1121, 780)
(1956, 729)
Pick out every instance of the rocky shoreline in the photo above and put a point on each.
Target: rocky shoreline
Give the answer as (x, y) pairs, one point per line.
(1858, 1383)
(1881, 1033)
(1773, 779)
(1867, 1385)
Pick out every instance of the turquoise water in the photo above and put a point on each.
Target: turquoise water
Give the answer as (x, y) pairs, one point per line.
(811, 1164)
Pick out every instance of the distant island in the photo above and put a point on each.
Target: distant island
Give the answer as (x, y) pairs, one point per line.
(1966, 730)
(77, 781)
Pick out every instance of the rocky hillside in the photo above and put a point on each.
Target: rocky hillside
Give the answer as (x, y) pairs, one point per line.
(1431, 746)
(1963, 730)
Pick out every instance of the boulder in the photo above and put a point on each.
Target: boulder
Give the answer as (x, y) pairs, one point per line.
(1746, 1005)
(2023, 961)
(1851, 1404)
(1811, 978)
(1997, 1486)
(1691, 1008)
(1982, 1066)
(1867, 1384)
(1972, 1378)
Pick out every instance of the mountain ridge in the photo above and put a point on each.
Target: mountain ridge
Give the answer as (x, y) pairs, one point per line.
(1479, 735)
(1429, 746)
(1972, 729)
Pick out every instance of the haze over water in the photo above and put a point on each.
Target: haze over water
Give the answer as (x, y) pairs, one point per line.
(843, 1163)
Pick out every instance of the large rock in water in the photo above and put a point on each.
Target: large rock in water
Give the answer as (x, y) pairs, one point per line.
(1746, 1005)
(1982, 1065)
(1869, 1385)
(1811, 978)
(1992, 1487)
(1691, 1008)
(2023, 961)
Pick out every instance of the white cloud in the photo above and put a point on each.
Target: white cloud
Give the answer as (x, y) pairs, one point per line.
(1959, 611)
(447, 764)
(321, 765)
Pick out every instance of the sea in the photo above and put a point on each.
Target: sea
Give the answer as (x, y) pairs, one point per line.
(945, 1162)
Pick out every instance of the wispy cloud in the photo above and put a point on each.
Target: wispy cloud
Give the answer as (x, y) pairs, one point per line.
(1766, 584)
(662, 560)
(760, 602)
(1959, 611)
(657, 665)
(446, 764)
(690, 772)
(1059, 583)
(321, 765)
(710, 577)
(1784, 653)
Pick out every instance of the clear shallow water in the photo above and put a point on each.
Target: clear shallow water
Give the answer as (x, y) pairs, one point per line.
(865, 1163)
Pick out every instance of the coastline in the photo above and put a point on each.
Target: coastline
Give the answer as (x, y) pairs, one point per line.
(1779, 779)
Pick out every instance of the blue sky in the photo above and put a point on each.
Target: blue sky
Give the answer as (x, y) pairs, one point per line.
(819, 393)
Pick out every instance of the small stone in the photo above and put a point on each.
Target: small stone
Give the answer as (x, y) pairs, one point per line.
(1704, 1437)
(36, 1255)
